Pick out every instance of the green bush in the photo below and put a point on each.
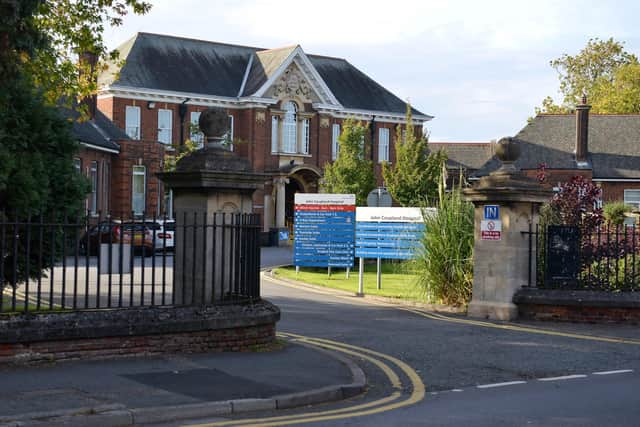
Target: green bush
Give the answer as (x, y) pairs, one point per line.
(445, 266)
(614, 212)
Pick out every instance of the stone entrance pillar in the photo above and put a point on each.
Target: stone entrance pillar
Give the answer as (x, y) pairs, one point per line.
(280, 184)
(211, 183)
(501, 258)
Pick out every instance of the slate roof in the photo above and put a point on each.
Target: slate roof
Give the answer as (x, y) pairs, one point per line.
(263, 66)
(100, 132)
(161, 62)
(614, 145)
(468, 155)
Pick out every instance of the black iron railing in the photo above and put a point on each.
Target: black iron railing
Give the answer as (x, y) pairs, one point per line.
(605, 259)
(55, 262)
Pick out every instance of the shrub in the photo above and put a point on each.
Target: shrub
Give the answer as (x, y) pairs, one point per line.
(614, 212)
(445, 266)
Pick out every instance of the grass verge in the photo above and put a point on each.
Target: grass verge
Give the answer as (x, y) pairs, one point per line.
(397, 280)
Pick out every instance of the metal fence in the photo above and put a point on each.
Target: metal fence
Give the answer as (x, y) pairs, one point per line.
(54, 262)
(605, 259)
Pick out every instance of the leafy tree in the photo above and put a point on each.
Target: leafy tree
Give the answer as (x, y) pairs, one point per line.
(576, 204)
(351, 172)
(621, 95)
(595, 65)
(39, 40)
(414, 175)
(73, 28)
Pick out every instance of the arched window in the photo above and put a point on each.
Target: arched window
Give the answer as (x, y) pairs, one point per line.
(290, 128)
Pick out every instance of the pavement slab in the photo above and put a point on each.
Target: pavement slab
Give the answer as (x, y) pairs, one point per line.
(235, 382)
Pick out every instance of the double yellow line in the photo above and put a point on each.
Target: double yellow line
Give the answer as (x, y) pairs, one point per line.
(519, 328)
(380, 360)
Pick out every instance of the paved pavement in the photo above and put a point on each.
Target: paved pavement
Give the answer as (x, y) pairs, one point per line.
(238, 382)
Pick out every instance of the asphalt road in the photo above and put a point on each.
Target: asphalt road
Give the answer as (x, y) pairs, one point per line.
(464, 365)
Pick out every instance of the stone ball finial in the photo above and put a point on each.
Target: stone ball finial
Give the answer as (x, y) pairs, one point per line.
(507, 150)
(213, 122)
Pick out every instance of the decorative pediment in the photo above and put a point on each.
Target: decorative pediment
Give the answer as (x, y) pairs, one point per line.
(293, 84)
(296, 77)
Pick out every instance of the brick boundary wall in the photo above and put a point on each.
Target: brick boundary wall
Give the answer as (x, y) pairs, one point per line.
(578, 306)
(44, 338)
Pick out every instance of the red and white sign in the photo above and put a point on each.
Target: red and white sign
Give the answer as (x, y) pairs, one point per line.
(490, 229)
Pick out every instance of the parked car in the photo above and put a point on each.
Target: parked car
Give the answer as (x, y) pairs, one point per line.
(164, 231)
(146, 236)
(107, 232)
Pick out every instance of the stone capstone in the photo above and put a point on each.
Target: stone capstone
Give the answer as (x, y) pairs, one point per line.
(213, 122)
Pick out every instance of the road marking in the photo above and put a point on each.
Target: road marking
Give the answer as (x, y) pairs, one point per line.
(565, 377)
(619, 371)
(381, 405)
(508, 383)
(471, 322)
(457, 390)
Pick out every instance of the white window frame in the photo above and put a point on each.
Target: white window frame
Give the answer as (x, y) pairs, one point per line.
(275, 122)
(77, 164)
(168, 203)
(290, 129)
(335, 143)
(93, 178)
(197, 137)
(165, 133)
(306, 135)
(632, 200)
(229, 135)
(383, 145)
(138, 170)
(132, 121)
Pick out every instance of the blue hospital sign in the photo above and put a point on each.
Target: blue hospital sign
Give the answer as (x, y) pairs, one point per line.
(492, 212)
(324, 230)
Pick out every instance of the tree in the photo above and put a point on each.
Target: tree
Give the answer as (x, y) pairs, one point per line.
(595, 65)
(621, 95)
(38, 43)
(576, 204)
(74, 28)
(350, 172)
(413, 178)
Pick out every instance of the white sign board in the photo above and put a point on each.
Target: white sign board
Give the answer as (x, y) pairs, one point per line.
(490, 229)
(324, 199)
(365, 214)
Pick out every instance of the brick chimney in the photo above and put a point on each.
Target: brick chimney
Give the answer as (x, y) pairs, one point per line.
(90, 61)
(582, 131)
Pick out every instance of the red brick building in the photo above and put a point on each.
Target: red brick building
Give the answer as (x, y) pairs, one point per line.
(117, 168)
(285, 108)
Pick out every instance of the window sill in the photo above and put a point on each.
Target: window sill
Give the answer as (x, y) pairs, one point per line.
(290, 154)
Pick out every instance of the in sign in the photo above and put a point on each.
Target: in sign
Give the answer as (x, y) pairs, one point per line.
(492, 212)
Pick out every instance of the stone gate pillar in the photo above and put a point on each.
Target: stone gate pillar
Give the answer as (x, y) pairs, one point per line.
(209, 182)
(506, 203)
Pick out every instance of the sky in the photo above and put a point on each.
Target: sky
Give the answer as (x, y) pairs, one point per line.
(479, 67)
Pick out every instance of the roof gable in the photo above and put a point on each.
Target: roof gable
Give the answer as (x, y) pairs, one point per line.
(287, 70)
